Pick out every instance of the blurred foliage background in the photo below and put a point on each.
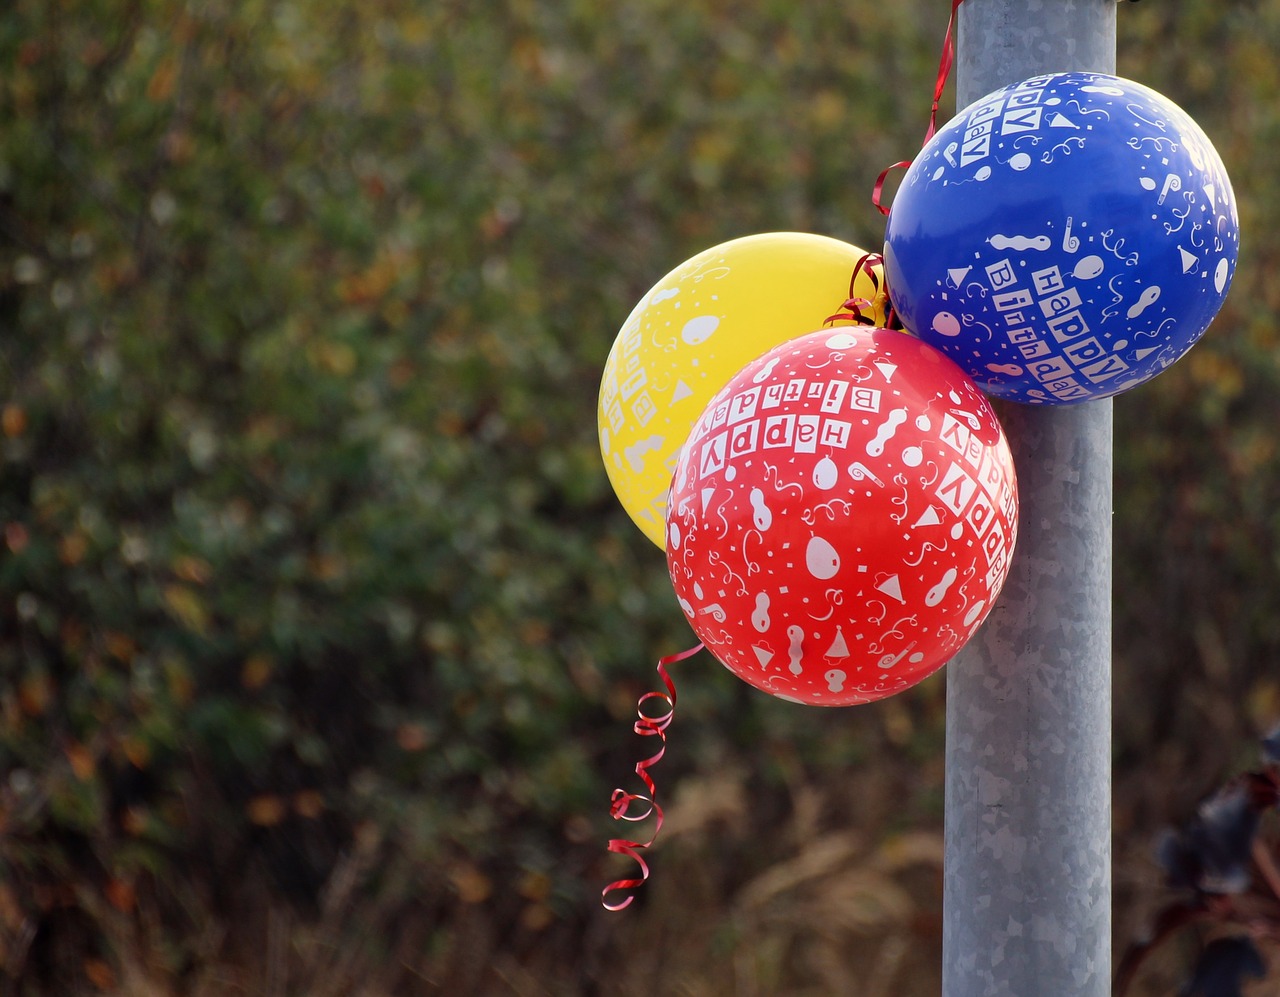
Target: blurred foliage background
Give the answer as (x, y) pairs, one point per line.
(321, 630)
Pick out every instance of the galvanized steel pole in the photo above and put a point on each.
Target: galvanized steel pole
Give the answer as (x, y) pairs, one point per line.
(1027, 903)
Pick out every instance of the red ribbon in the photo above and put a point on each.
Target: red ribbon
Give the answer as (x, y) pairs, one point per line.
(646, 726)
(877, 191)
(854, 304)
(944, 71)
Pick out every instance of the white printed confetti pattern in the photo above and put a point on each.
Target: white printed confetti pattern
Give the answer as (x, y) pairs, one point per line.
(842, 517)
(1065, 238)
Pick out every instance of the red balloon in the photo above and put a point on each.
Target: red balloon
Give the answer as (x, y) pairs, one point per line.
(842, 516)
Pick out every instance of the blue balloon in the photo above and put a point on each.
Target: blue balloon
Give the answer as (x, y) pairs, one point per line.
(1064, 238)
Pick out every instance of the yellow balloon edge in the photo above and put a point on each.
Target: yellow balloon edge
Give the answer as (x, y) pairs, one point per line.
(640, 502)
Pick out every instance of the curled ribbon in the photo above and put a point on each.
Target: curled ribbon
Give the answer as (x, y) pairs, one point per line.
(944, 71)
(645, 726)
(854, 304)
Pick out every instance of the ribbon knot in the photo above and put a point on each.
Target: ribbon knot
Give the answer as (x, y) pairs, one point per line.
(862, 310)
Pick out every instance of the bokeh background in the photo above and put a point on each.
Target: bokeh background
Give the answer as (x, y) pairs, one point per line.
(321, 630)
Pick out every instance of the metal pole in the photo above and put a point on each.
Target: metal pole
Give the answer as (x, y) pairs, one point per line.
(1027, 901)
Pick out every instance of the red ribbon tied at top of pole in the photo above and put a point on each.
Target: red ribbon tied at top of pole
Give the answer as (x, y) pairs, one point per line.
(944, 71)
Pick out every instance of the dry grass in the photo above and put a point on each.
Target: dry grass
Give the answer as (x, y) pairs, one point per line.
(830, 884)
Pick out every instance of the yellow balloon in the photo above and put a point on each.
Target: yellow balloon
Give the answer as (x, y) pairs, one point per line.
(700, 325)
